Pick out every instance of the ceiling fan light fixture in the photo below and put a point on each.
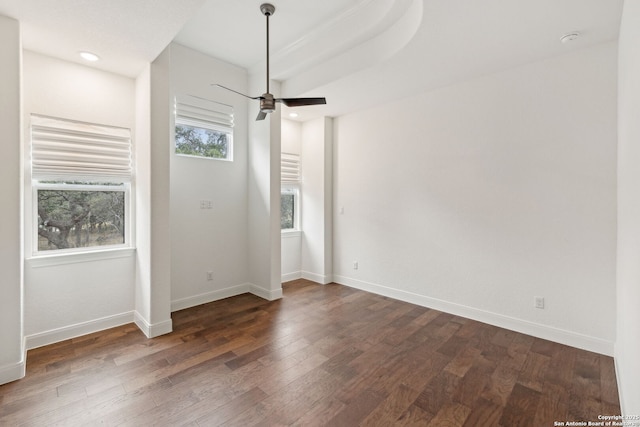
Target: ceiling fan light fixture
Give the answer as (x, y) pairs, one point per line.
(267, 103)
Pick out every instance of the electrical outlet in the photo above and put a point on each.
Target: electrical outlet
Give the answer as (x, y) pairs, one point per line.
(355, 265)
(209, 275)
(206, 204)
(538, 302)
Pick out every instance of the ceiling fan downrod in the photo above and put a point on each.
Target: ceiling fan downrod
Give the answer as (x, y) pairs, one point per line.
(267, 103)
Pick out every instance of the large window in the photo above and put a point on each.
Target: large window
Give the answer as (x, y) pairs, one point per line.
(81, 176)
(80, 215)
(204, 128)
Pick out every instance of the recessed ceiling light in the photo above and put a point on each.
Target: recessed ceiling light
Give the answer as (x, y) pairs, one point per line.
(88, 56)
(569, 37)
(293, 115)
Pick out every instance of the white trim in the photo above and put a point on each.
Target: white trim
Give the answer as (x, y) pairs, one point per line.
(289, 233)
(619, 381)
(562, 336)
(13, 371)
(161, 328)
(207, 297)
(141, 323)
(323, 279)
(79, 257)
(79, 329)
(152, 330)
(268, 294)
(287, 277)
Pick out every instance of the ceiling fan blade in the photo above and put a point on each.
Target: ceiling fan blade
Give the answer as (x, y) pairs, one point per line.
(261, 116)
(235, 91)
(299, 102)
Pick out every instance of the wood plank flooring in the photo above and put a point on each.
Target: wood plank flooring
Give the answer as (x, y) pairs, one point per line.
(321, 356)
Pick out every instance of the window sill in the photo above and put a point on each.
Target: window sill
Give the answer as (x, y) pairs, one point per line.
(79, 257)
(290, 233)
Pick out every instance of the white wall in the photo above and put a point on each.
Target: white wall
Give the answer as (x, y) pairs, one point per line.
(291, 258)
(308, 253)
(153, 279)
(76, 296)
(291, 134)
(477, 197)
(216, 239)
(316, 206)
(263, 192)
(628, 315)
(143, 209)
(12, 363)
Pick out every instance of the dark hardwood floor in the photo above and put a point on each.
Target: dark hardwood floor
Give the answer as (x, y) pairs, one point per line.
(323, 355)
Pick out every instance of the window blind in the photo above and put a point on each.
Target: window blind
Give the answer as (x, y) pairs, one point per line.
(289, 168)
(203, 113)
(71, 150)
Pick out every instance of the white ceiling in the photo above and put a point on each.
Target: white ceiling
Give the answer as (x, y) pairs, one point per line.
(355, 52)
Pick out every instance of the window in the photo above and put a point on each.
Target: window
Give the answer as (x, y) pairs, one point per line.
(290, 192)
(81, 175)
(289, 209)
(80, 215)
(203, 128)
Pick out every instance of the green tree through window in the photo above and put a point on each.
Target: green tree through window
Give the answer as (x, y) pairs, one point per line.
(287, 211)
(75, 219)
(194, 141)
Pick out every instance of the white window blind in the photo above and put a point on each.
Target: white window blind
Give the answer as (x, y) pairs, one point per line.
(289, 168)
(71, 150)
(203, 113)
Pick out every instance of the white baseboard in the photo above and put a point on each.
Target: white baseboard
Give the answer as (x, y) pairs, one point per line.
(268, 294)
(323, 279)
(155, 329)
(15, 371)
(79, 329)
(550, 333)
(226, 293)
(620, 380)
(291, 276)
(207, 297)
(12, 372)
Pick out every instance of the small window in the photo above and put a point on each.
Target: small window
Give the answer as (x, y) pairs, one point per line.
(290, 192)
(73, 215)
(204, 128)
(289, 212)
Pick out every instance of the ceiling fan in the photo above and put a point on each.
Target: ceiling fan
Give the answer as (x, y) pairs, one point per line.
(267, 100)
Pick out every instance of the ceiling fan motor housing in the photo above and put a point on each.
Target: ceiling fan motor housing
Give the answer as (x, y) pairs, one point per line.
(267, 103)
